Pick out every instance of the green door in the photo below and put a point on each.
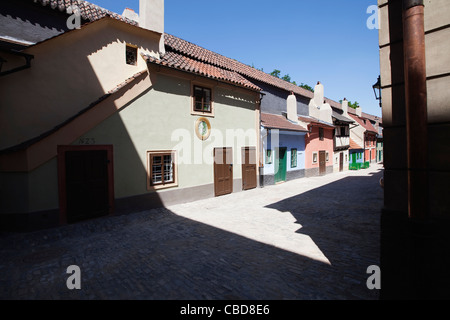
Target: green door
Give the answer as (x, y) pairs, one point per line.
(353, 158)
(280, 165)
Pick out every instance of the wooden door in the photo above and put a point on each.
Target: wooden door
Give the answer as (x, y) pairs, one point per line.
(223, 171)
(86, 186)
(322, 162)
(341, 162)
(280, 165)
(249, 168)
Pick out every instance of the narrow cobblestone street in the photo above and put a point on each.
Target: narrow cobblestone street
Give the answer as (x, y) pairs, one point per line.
(311, 238)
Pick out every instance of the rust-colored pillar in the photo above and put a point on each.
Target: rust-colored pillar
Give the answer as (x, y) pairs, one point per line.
(416, 107)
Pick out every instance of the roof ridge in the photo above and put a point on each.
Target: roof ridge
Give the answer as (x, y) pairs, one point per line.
(299, 90)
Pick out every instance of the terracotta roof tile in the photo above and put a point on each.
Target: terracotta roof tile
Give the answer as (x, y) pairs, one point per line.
(354, 145)
(178, 61)
(88, 11)
(315, 121)
(194, 51)
(365, 123)
(273, 121)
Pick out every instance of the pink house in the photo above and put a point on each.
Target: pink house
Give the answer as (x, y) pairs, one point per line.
(318, 147)
(319, 141)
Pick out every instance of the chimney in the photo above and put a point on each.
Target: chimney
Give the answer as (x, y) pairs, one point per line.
(358, 111)
(151, 17)
(292, 108)
(345, 107)
(319, 94)
(130, 14)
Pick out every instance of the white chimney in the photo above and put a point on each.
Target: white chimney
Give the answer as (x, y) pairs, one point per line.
(130, 14)
(151, 17)
(345, 107)
(318, 107)
(358, 111)
(292, 108)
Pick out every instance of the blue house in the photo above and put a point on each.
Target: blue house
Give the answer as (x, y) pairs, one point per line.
(283, 144)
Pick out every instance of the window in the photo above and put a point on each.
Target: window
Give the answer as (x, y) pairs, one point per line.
(202, 99)
(131, 55)
(327, 157)
(269, 156)
(321, 134)
(314, 157)
(161, 169)
(293, 158)
(343, 131)
(346, 158)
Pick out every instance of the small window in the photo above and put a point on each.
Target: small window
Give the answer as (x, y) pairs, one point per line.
(269, 156)
(343, 131)
(161, 169)
(346, 158)
(293, 158)
(131, 55)
(315, 157)
(327, 156)
(321, 134)
(202, 99)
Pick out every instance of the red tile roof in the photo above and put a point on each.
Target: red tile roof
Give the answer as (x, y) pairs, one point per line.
(180, 62)
(92, 12)
(88, 11)
(196, 52)
(354, 145)
(272, 121)
(316, 121)
(365, 123)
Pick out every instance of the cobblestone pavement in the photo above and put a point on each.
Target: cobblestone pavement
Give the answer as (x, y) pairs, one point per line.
(311, 238)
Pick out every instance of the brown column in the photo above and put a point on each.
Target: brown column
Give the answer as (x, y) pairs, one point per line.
(416, 107)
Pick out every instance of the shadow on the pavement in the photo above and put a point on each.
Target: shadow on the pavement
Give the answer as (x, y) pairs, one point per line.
(342, 218)
(159, 255)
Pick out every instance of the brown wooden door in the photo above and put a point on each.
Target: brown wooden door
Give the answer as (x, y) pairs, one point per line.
(341, 162)
(248, 168)
(223, 171)
(86, 185)
(322, 162)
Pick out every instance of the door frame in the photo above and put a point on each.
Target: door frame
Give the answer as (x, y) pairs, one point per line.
(341, 162)
(214, 170)
(61, 151)
(243, 150)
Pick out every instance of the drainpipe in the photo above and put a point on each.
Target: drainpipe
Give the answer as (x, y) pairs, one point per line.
(416, 107)
(420, 243)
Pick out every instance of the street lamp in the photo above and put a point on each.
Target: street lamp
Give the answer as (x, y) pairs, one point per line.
(377, 89)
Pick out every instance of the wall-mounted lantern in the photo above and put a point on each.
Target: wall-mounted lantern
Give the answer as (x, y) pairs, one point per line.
(377, 89)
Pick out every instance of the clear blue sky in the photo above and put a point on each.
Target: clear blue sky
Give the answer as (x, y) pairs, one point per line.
(311, 40)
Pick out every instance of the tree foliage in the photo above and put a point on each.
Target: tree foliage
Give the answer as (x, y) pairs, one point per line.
(287, 77)
(354, 105)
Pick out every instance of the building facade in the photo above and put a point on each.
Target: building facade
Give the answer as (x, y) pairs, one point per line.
(342, 123)
(414, 42)
(109, 124)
